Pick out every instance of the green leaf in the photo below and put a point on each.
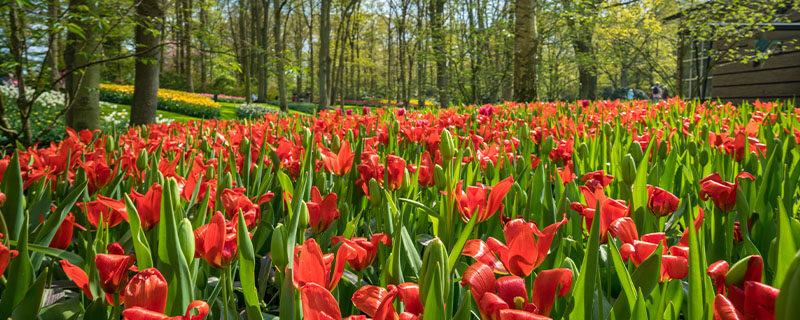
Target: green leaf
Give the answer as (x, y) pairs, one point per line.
(30, 305)
(22, 272)
(176, 259)
(247, 270)
(49, 228)
(628, 293)
(585, 286)
(640, 307)
(419, 205)
(462, 240)
(144, 259)
(64, 310)
(412, 255)
(786, 246)
(786, 306)
(696, 272)
(640, 191)
(14, 209)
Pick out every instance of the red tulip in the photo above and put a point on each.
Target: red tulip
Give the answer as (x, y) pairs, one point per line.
(425, 178)
(98, 174)
(724, 309)
(338, 164)
(721, 192)
(319, 304)
(2, 198)
(321, 211)
(78, 276)
(215, 242)
(474, 201)
(149, 206)
(234, 200)
(113, 268)
(311, 266)
(369, 168)
(507, 296)
(5, 256)
(527, 247)
(63, 236)
(673, 266)
(378, 303)
(112, 211)
(611, 209)
(396, 167)
(148, 290)
(597, 179)
(139, 313)
(660, 202)
(209, 186)
(364, 250)
(746, 298)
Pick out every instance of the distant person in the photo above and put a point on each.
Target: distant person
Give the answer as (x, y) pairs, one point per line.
(656, 93)
(630, 94)
(665, 93)
(216, 95)
(11, 80)
(294, 97)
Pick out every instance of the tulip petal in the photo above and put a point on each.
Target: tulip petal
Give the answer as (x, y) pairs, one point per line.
(368, 299)
(318, 303)
(724, 309)
(549, 284)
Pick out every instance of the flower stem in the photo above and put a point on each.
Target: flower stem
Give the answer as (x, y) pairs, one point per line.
(224, 280)
(115, 308)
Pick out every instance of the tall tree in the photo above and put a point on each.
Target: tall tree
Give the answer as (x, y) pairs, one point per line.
(245, 50)
(324, 52)
(82, 48)
(279, 54)
(263, 39)
(149, 17)
(439, 49)
(525, 43)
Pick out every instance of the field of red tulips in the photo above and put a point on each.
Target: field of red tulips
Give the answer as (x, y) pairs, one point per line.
(588, 210)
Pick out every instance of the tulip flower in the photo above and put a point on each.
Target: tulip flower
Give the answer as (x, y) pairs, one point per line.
(148, 206)
(63, 236)
(234, 200)
(369, 168)
(425, 178)
(311, 266)
(139, 313)
(112, 211)
(321, 211)
(610, 210)
(215, 242)
(78, 276)
(98, 174)
(5, 256)
(378, 302)
(526, 250)
(746, 297)
(338, 164)
(319, 304)
(148, 290)
(113, 268)
(474, 201)
(364, 250)
(507, 296)
(660, 202)
(396, 167)
(597, 179)
(673, 266)
(721, 192)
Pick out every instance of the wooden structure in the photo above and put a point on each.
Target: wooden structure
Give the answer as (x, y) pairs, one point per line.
(774, 78)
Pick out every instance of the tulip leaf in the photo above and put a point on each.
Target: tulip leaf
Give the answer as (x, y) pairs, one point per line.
(144, 259)
(22, 272)
(695, 272)
(14, 208)
(49, 228)
(640, 191)
(584, 293)
(462, 240)
(247, 270)
(786, 305)
(64, 310)
(640, 307)
(176, 259)
(786, 246)
(419, 205)
(464, 311)
(411, 253)
(32, 302)
(97, 310)
(628, 289)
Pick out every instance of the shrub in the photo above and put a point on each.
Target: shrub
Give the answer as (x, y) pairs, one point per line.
(187, 103)
(304, 107)
(251, 111)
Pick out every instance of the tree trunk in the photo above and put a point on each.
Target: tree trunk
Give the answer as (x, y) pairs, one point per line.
(145, 92)
(276, 34)
(248, 96)
(54, 50)
(525, 81)
(187, 44)
(262, 53)
(421, 52)
(440, 50)
(82, 86)
(204, 26)
(324, 52)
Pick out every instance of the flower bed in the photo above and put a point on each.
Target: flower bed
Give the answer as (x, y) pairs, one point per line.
(190, 104)
(676, 210)
(252, 111)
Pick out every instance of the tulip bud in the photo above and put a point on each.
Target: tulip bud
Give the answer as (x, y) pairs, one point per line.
(607, 129)
(244, 147)
(583, 150)
(210, 170)
(692, 148)
(628, 169)
(489, 170)
(278, 247)
(336, 143)
(227, 181)
(110, 144)
(435, 269)
(308, 137)
(636, 151)
(186, 237)
(704, 132)
(547, 146)
(142, 160)
(446, 145)
(662, 150)
(738, 270)
(205, 147)
(439, 177)
(375, 193)
(406, 182)
(703, 157)
(304, 216)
